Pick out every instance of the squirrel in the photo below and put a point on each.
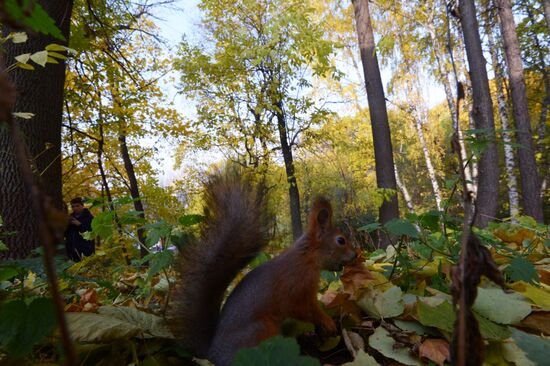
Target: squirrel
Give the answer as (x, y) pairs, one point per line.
(233, 233)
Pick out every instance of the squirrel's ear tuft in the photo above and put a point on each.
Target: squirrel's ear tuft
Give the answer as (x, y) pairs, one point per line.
(320, 216)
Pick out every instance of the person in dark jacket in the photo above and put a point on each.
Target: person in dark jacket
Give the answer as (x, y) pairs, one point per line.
(80, 221)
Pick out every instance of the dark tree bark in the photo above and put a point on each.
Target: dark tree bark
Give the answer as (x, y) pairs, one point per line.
(39, 92)
(530, 186)
(488, 176)
(383, 153)
(293, 193)
(133, 185)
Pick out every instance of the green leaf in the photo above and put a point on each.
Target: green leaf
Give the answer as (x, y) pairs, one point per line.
(537, 349)
(500, 307)
(370, 227)
(7, 273)
(102, 224)
(23, 326)
(520, 269)
(430, 220)
(383, 305)
(131, 218)
(190, 220)
(443, 317)
(401, 227)
(159, 261)
(37, 19)
(385, 344)
(25, 66)
(57, 55)
(276, 351)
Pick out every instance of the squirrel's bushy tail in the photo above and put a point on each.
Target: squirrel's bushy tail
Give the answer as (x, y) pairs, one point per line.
(233, 233)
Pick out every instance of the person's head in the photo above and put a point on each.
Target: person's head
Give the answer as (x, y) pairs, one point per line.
(77, 205)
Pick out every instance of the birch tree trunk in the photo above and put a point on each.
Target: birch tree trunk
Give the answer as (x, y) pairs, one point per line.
(420, 117)
(530, 185)
(488, 179)
(509, 162)
(383, 153)
(404, 191)
(444, 79)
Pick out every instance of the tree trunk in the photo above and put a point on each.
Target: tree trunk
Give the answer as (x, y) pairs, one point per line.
(383, 154)
(509, 162)
(404, 191)
(133, 183)
(42, 133)
(444, 78)
(420, 117)
(293, 193)
(547, 13)
(488, 179)
(530, 186)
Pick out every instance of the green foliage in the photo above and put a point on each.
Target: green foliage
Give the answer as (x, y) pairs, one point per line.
(276, 351)
(31, 14)
(401, 227)
(521, 269)
(24, 324)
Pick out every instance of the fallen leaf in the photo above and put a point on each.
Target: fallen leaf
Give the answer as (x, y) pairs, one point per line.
(539, 321)
(353, 341)
(385, 304)
(89, 296)
(362, 359)
(537, 349)
(355, 276)
(502, 308)
(539, 296)
(383, 343)
(436, 350)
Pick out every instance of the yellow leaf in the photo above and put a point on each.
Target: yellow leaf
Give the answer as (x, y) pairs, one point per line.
(535, 294)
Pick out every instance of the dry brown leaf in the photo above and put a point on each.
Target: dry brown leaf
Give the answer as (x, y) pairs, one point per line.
(328, 297)
(354, 342)
(90, 296)
(73, 308)
(436, 350)
(539, 321)
(341, 301)
(355, 275)
(544, 274)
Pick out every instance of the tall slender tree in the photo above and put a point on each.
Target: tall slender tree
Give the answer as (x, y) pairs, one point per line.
(383, 153)
(530, 185)
(509, 160)
(42, 132)
(488, 176)
(254, 79)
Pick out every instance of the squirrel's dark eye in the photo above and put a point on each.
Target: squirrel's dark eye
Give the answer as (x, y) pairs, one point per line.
(341, 240)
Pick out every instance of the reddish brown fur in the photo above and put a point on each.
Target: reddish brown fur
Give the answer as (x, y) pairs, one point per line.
(282, 288)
